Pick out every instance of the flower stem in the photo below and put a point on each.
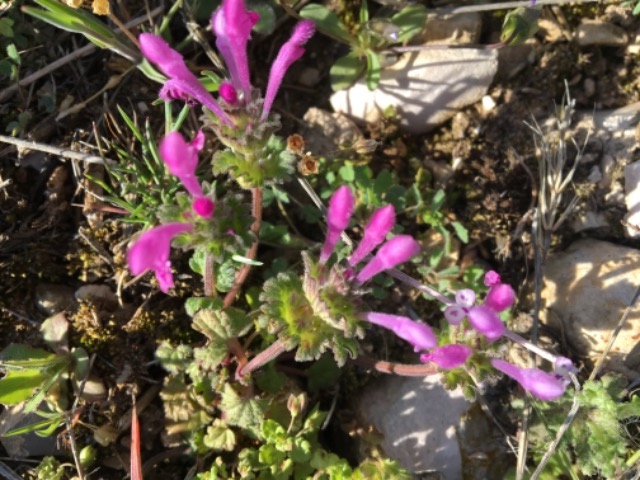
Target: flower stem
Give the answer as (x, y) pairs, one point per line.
(402, 369)
(243, 273)
(256, 210)
(272, 351)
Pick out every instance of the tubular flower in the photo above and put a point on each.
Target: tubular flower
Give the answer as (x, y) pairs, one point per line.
(151, 252)
(338, 215)
(182, 84)
(232, 24)
(483, 318)
(540, 384)
(381, 223)
(448, 356)
(289, 53)
(417, 334)
(394, 252)
(181, 158)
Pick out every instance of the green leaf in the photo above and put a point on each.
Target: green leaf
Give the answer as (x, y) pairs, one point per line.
(43, 428)
(520, 24)
(323, 374)
(373, 70)
(220, 437)
(364, 12)
(194, 304)
(346, 71)
(347, 173)
(438, 200)
(18, 386)
(12, 53)
(461, 231)
(243, 412)
(267, 22)
(174, 359)
(327, 22)
(411, 20)
(22, 357)
(6, 27)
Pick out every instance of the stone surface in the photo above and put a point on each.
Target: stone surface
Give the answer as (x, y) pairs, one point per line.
(418, 419)
(425, 88)
(451, 29)
(326, 132)
(586, 290)
(51, 298)
(595, 32)
(632, 199)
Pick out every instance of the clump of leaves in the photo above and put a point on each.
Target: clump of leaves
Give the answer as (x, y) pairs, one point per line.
(596, 437)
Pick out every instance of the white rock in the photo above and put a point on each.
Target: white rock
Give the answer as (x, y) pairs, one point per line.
(632, 199)
(488, 103)
(586, 290)
(418, 419)
(595, 32)
(425, 88)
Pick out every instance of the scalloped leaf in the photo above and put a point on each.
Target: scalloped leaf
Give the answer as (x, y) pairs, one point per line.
(220, 437)
(245, 413)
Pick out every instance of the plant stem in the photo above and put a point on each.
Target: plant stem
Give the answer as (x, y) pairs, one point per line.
(209, 277)
(256, 211)
(272, 351)
(402, 369)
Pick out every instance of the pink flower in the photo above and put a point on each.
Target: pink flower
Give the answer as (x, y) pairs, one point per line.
(483, 318)
(381, 223)
(339, 213)
(151, 252)
(540, 384)
(448, 356)
(232, 24)
(394, 252)
(181, 158)
(182, 84)
(417, 334)
(289, 53)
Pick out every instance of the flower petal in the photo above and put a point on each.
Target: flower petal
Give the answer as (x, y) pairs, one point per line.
(500, 297)
(151, 252)
(394, 252)
(381, 223)
(486, 321)
(454, 314)
(181, 158)
(540, 384)
(339, 214)
(289, 52)
(417, 334)
(465, 297)
(448, 356)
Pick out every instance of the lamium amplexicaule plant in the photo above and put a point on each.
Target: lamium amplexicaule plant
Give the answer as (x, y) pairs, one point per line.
(225, 394)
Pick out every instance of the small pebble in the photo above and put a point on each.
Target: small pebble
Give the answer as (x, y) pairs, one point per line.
(488, 103)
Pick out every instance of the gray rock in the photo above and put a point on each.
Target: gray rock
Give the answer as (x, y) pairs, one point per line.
(51, 298)
(418, 419)
(586, 290)
(595, 32)
(425, 88)
(451, 29)
(325, 133)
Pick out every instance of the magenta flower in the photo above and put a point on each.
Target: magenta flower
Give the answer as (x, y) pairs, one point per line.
(381, 223)
(483, 318)
(151, 252)
(394, 252)
(232, 24)
(540, 384)
(417, 334)
(448, 356)
(289, 53)
(182, 84)
(338, 215)
(181, 158)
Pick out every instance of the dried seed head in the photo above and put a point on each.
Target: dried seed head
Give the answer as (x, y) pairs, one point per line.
(308, 165)
(295, 144)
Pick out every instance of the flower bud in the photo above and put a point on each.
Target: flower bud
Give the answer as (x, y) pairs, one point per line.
(448, 356)
(417, 334)
(339, 213)
(394, 252)
(381, 223)
(486, 321)
(540, 384)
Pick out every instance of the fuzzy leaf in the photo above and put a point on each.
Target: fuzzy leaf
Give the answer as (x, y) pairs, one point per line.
(220, 437)
(174, 359)
(194, 304)
(245, 413)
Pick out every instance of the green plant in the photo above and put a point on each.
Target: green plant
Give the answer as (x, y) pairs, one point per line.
(369, 43)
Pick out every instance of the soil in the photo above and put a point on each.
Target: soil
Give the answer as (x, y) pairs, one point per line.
(53, 234)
